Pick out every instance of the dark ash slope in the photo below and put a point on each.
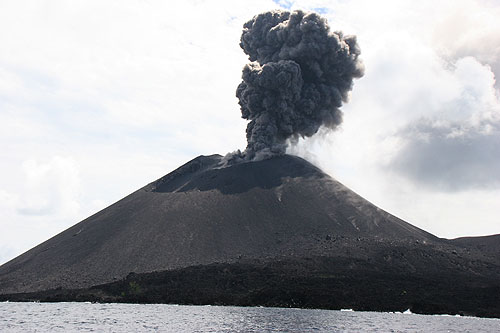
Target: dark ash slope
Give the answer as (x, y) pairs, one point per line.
(278, 232)
(201, 214)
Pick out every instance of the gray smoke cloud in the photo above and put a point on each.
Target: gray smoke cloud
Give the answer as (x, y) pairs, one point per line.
(300, 75)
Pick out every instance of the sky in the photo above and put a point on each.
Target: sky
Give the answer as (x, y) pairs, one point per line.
(99, 98)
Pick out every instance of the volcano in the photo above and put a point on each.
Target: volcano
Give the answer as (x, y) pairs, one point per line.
(276, 232)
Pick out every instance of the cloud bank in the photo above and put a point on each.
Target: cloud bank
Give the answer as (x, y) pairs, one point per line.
(457, 148)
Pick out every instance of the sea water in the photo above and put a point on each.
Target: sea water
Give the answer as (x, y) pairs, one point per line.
(88, 317)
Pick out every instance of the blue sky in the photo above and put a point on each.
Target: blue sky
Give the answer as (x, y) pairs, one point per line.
(100, 98)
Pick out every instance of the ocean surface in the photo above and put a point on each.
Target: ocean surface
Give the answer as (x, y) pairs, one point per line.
(87, 317)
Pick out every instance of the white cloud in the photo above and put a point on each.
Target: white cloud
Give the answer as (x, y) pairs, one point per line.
(471, 29)
(50, 188)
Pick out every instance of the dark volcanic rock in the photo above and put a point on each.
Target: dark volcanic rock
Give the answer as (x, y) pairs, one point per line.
(487, 245)
(203, 220)
(316, 282)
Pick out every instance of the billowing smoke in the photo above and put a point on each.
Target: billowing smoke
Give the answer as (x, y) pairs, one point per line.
(300, 74)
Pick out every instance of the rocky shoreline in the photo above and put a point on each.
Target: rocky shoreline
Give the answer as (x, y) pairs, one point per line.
(325, 283)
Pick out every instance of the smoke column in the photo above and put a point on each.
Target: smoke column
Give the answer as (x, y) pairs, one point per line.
(300, 74)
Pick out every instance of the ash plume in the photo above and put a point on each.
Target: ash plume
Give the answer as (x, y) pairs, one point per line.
(300, 75)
